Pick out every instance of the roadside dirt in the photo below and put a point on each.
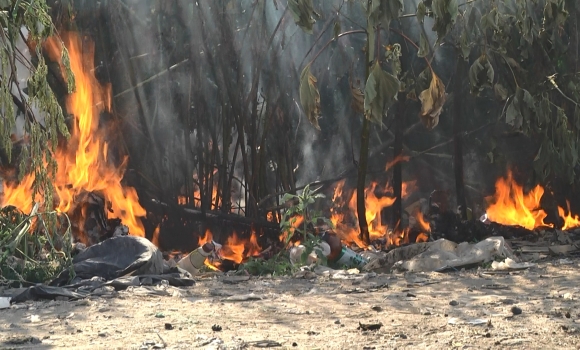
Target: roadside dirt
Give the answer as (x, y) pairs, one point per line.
(415, 310)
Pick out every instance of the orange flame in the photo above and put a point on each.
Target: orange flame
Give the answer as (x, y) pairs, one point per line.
(237, 249)
(349, 231)
(510, 206)
(83, 165)
(570, 221)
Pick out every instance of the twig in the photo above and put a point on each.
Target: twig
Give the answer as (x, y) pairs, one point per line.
(152, 78)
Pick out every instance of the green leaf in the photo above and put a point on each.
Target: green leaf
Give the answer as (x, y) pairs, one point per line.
(303, 13)
(490, 20)
(520, 110)
(380, 93)
(500, 92)
(309, 96)
(555, 13)
(423, 46)
(465, 45)
(384, 11)
(513, 116)
(421, 11)
(445, 12)
(481, 75)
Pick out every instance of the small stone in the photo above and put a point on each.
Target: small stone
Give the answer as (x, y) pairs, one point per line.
(488, 335)
(216, 328)
(377, 308)
(103, 334)
(104, 309)
(516, 310)
(568, 314)
(411, 295)
(453, 303)
(168, 326)
(403, 336)
(159, 315)
(337, 322)
(294, 344)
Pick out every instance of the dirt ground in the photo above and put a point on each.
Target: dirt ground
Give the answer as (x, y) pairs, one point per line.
(536, 308)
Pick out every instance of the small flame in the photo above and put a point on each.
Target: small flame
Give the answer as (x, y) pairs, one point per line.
(425, 225)
(208, 237)
(237, 249)
(570, 221)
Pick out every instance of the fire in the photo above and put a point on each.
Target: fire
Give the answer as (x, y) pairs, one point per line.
(83, 164)
(510, 206)
(349, 231)
(237, 249)
(570, 221)
(20, 196)
(425, 225)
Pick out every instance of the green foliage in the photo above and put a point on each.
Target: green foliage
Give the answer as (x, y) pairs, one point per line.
(278, 265)
(310, 218)
(481, 75)
(380, 93)
(17, 16)
(28, 251)
(523, 52)
(445, 12)
(303, 13)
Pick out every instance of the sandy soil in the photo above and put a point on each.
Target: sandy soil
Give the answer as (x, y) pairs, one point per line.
(415, 310)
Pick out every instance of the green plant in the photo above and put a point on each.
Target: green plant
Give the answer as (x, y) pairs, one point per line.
(29, 23)
(29, 252)
(310, 218)
(278, 265)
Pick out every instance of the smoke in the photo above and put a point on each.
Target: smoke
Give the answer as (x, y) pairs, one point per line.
(180, 68)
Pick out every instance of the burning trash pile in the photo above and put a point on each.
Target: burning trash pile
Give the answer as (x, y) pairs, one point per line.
(89, 188)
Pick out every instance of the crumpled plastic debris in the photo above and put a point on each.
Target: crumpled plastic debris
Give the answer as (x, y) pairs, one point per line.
(509, 264)
(444, 254)
(472, 322)
(4, 302)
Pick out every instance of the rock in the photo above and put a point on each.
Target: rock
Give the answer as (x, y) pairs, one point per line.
(453, 303)
(516, 310)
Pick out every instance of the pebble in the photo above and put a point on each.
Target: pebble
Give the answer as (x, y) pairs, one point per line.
(516, 310)
(453, 303)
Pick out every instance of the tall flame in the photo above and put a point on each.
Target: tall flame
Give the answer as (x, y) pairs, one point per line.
(511, 206)
(83, 165)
